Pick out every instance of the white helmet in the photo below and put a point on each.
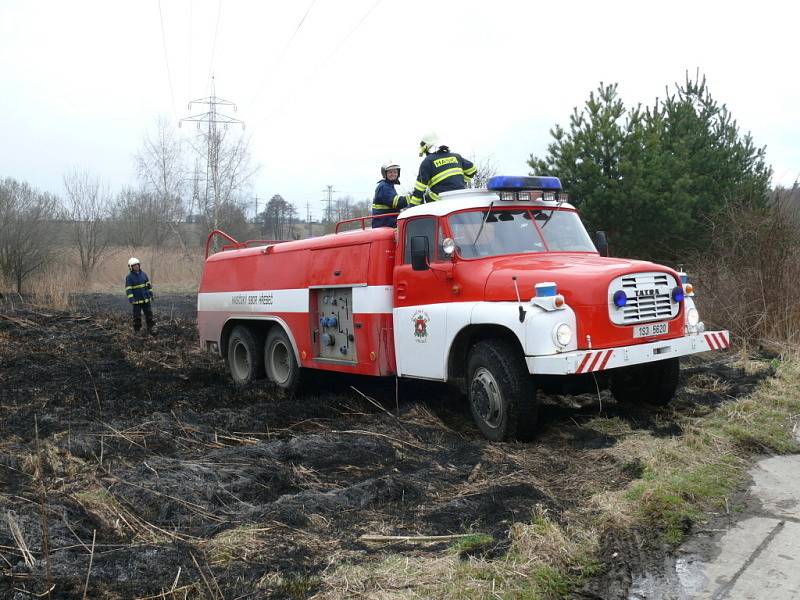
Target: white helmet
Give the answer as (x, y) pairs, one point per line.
(133, 261)
(389, 164)
(428, 143)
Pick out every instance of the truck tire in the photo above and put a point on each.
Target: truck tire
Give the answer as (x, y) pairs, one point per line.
(280, 362)
(654, 383)
(501, 393)
(245, 355)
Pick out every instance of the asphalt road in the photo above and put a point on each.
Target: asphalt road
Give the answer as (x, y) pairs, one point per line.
(757, 558)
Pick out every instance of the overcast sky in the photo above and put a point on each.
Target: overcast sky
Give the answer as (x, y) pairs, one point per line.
(326, 101)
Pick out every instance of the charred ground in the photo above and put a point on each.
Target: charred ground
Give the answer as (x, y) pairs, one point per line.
(188, 483)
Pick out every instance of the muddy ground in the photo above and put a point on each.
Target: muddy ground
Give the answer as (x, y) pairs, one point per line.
(139, 456)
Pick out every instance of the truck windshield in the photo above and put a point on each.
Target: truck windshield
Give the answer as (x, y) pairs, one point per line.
(518, 231)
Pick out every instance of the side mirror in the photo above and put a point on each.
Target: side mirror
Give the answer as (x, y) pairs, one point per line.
(601, 242)
(420, 254)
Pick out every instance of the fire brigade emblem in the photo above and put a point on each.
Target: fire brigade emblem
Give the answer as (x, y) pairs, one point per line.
(420, 320)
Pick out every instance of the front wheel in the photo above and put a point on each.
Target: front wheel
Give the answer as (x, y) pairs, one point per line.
(502, 396)
(245, 355)
(279, 361)
(653, 383)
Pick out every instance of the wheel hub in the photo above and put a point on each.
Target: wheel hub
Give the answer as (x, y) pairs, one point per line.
(241, 360)
(487, 400)
(280, 363)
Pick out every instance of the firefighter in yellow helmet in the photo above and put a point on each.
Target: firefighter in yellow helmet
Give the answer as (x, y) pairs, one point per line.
(440, 171)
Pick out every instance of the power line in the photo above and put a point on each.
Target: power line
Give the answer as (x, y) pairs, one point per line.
(283, 53)
(214, 44)
(189, 55)
(166, 61)
(328, 58)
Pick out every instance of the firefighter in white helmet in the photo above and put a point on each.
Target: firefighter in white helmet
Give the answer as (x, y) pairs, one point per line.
(440, 171)
(140, 295)
(387, 200)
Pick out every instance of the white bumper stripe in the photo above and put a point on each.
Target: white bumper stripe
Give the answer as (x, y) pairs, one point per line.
(589, 361)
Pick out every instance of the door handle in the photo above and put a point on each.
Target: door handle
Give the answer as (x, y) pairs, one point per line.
(401, 291)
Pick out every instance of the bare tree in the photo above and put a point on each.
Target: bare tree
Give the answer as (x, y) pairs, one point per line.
(131, 217)
(228, 177)
(88, 208)
(28, 228)
(487, 168)
(162, 174)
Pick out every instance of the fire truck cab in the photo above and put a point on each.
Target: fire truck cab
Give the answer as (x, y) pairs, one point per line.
(498, 291)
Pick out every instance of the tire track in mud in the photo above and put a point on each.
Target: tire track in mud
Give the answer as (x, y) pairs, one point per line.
(145, 442)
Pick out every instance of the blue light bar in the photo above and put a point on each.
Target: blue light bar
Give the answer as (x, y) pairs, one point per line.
(513, 183)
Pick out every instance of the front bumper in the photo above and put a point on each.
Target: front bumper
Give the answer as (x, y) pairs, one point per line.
(588, 361)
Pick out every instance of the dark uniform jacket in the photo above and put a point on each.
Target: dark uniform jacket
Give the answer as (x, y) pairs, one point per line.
(442, 171)
(138, 288)
(387, 201)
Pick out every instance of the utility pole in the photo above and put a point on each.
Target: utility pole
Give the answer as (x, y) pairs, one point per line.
(212, 118)
(329, 200)
(255, 217)
(308, 218)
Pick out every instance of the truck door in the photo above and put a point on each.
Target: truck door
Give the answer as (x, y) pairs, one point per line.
(420, 306)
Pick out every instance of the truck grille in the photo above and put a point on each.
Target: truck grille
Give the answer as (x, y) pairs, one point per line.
(649, 298)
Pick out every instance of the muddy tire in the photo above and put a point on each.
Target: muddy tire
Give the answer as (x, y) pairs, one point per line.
(501, 393)
(280, 362)
(653, 383)
(245, 355)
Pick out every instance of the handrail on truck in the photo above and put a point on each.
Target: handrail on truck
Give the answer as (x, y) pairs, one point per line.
(363, 220)
(233, 243)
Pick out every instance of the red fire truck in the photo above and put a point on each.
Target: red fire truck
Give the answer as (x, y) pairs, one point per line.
(498, 291)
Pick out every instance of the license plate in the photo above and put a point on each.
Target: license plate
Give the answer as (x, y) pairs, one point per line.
(651, 329)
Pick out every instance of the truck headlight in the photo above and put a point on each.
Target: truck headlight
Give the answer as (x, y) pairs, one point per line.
(692, 317)
(562, 334)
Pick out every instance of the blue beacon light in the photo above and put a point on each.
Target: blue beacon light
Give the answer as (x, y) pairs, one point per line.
(677, 293)
(620, 298)
(544, 290)
(514, 183)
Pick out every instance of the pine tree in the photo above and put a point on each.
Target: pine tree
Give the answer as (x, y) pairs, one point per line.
(655, 178)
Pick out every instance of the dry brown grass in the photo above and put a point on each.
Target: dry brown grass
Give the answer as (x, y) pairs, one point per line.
(169, 269)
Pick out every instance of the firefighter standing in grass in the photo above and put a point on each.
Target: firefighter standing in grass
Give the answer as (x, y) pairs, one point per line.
(440, 171)
(386, 199)
(140, 295)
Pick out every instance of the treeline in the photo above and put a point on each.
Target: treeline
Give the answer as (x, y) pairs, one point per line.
(679, 183)
(183, 193)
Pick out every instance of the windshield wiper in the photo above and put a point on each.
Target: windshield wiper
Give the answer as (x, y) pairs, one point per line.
(552, 212)
(485, 217)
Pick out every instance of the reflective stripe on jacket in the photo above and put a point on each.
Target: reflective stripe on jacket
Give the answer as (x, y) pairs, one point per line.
(441, 172)
(387, 201)
(138, 288)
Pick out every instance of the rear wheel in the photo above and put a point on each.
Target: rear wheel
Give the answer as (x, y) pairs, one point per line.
(502, 396)
(653, 383)
(279, 361)
(245, 355)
